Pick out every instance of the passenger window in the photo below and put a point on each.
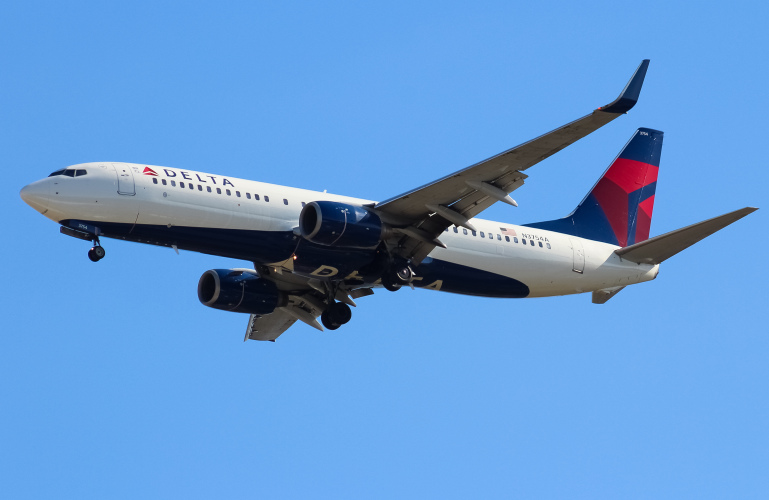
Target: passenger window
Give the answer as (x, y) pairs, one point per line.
(164, 182)
(192, 186)
(256, 197)
(237, 193)
(507, 238)
(218, 190)
(173, 183)
(482, 235)
(208, 188)
(229, 193)
(464, 231)
(181, 184)
(154, 180)
(491, 236)
(285, 201)
(248, 196)
(532, 242)
(266, 198)
(540, 244)
(548, 245)
(474, 233)
(515, 239)
(200, 188)
(499, 237)
(455, 229)
(523, 241)
(80, 173)
(446, 230)
(303, 204)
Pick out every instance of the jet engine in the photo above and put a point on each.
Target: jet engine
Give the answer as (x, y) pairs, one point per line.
(239, 290)
(332, 223)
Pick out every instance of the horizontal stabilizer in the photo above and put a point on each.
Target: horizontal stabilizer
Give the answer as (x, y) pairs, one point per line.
(661, 248)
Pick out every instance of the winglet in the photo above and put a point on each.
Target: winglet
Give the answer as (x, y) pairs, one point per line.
(629, 96)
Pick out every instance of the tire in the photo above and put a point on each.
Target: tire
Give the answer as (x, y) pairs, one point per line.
(92, 256)
(325, 318)
(340, 313)
(99, 252)
(389, 285)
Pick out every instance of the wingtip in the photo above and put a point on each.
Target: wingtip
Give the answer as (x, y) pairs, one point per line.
(629, 95)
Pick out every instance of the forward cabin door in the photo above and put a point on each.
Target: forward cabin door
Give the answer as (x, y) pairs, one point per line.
(579, 255)
(125, 180)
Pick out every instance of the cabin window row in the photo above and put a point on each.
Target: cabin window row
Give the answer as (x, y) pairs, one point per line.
(491, 236)
(218, 190)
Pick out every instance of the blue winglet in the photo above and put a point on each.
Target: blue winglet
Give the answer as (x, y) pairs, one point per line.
(629, 95)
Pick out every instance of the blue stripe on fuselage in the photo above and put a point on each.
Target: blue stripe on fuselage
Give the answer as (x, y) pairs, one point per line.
(263, 247)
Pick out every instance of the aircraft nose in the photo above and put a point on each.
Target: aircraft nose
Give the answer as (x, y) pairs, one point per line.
(36, 195)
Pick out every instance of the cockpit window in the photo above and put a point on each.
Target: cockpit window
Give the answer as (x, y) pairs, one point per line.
(70, 172)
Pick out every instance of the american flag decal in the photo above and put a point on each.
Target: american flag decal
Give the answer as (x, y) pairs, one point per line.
(508, 232)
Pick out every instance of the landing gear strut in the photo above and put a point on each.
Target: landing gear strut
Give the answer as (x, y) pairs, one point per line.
(337, 314)
(96, 253)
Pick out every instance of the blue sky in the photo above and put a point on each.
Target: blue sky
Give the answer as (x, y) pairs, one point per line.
(117, 383)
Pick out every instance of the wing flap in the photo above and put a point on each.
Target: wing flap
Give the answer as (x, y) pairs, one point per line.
(268, 326)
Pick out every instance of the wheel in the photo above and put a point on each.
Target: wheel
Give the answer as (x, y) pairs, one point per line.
(325, 318)
(403, 275)
(99, 252)
(340, 313)
(92, 256)
(389, 285)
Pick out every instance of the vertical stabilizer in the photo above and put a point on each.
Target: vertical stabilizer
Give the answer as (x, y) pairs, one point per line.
(618, 210)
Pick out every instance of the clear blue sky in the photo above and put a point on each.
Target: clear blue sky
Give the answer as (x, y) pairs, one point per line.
(116, 383)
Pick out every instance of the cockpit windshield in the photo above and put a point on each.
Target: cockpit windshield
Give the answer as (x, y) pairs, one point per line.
(70, 172)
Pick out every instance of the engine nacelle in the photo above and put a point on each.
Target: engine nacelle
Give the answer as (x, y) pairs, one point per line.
(332, 223)
(239, 291)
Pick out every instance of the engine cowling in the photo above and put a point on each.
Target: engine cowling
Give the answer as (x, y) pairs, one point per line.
(332, 223)
(239, 291)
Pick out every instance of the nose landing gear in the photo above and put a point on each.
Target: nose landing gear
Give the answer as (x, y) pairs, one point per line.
(96, 253)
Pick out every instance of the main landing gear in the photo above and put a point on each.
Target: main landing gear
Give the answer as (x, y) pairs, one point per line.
(337, 314)
(96, 253)
(397, 276)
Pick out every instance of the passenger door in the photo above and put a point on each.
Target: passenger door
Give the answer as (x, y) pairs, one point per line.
(125, 179)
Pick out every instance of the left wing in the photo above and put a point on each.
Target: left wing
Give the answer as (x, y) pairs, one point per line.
(425, 212)
(307, 299)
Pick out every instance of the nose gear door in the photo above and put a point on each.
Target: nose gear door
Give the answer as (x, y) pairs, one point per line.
(125, 179)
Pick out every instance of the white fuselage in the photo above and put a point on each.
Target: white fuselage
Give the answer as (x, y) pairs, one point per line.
(548, 263)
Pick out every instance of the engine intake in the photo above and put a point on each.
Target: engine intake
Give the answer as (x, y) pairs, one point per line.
(239, 291)
(331, 223)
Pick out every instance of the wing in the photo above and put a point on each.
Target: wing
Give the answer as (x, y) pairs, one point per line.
(307, 299)
(426, 212)
(268, 326)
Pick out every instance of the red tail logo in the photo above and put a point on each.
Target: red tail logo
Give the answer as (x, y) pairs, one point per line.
(149, 171)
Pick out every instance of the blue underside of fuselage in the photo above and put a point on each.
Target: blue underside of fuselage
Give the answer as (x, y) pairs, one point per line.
(270, 247)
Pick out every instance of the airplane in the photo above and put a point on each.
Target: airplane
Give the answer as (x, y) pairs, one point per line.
(315, 253)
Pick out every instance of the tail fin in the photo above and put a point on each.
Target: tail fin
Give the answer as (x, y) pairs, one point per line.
(618, 210)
